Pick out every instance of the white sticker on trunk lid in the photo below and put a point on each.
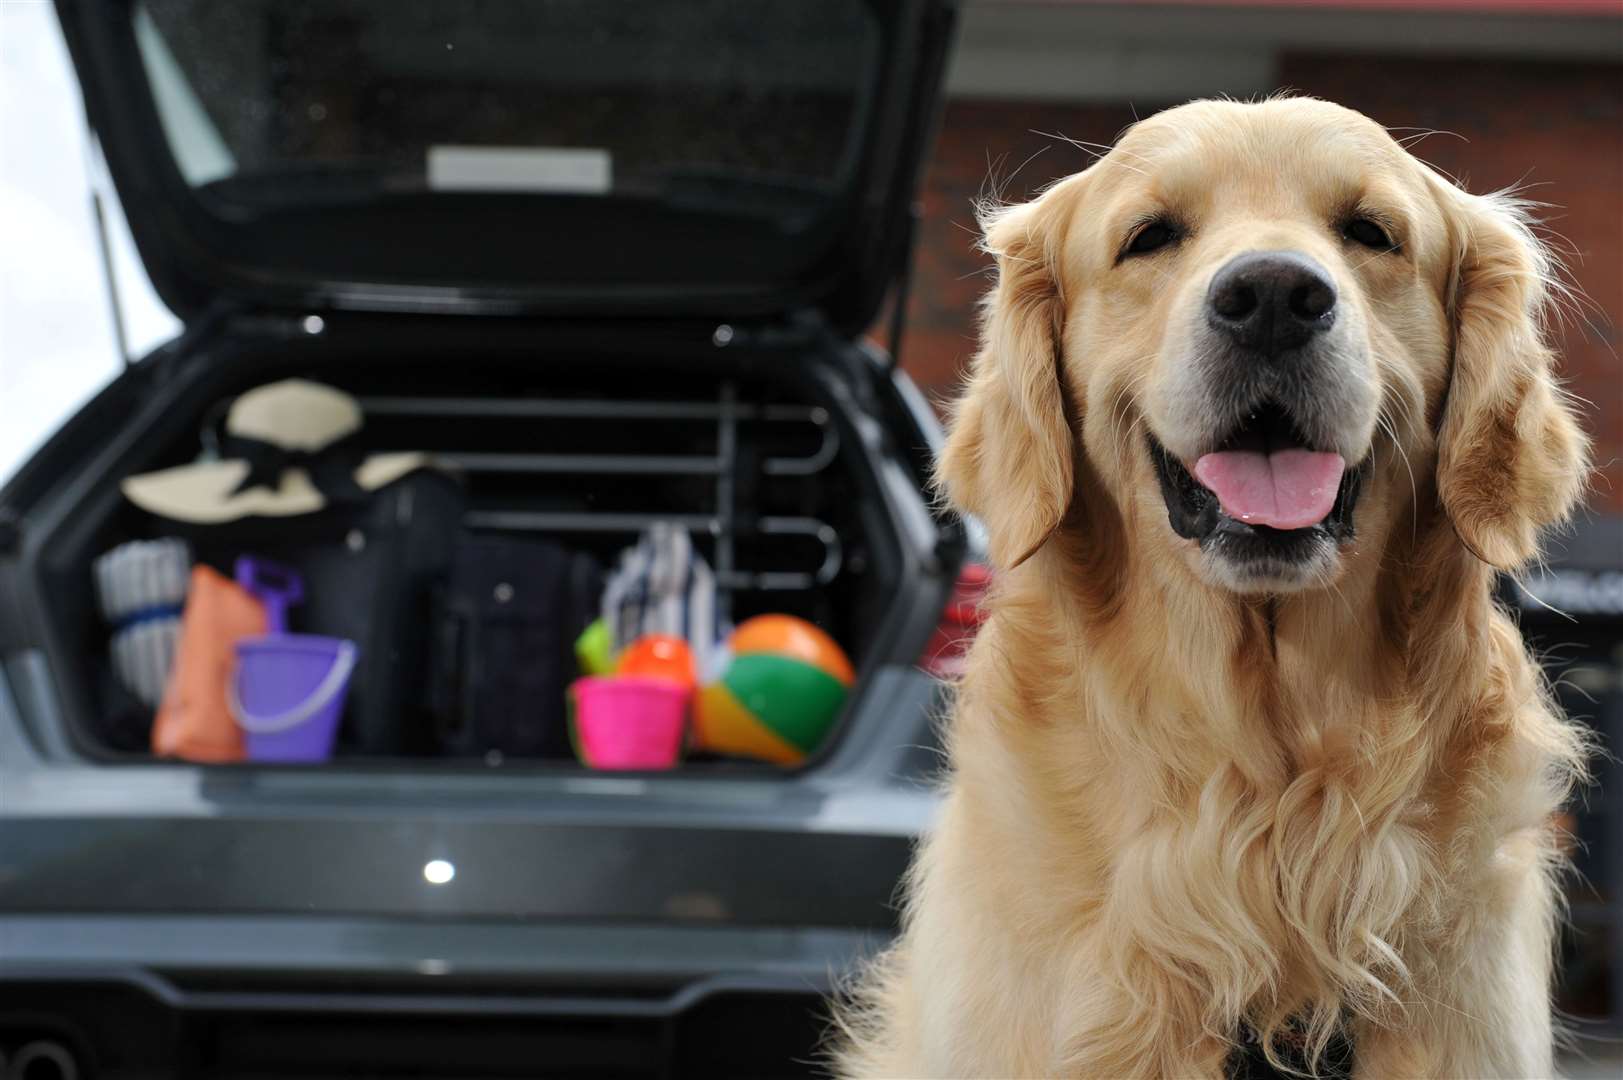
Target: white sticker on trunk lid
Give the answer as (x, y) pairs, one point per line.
(555, 170)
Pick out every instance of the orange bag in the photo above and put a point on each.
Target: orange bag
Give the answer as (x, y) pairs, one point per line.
(194, 721)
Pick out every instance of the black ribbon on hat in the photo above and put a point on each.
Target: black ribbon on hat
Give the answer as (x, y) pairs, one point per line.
(331, 468)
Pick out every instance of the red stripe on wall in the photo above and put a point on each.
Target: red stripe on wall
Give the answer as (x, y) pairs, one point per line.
(1478, 7)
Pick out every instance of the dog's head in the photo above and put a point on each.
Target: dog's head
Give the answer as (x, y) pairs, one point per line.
(1263, 331)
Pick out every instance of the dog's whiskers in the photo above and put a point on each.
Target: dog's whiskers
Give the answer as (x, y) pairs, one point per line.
(1384, 422)
(1099, 151)
(1121, 406)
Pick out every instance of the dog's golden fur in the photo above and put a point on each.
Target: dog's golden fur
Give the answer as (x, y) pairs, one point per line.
(1176, 810)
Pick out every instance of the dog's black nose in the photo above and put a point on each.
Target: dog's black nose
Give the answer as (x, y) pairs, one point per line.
(1271, 301)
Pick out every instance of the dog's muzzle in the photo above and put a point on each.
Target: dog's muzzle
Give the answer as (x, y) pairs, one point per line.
(1269, 422)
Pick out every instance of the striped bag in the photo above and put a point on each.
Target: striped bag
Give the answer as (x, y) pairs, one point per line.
(663, 586)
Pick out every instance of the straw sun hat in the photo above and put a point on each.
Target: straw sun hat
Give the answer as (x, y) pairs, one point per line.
(287, 448)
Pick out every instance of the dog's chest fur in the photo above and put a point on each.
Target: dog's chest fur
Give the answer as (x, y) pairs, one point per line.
(1300, 889)
(1256, 846)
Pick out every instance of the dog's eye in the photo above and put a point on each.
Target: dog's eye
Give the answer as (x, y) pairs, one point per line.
(1154, 235)
(1362, 230)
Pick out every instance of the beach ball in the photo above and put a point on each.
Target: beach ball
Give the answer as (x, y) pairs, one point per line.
(659, 656)
(778, 695)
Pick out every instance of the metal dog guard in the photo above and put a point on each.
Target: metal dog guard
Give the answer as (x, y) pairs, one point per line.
(723, 526)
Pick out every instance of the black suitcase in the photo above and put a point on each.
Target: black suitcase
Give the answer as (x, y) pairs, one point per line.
(371, 570)
(505, 631)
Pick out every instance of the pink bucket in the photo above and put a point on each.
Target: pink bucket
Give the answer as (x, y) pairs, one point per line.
(624, 722)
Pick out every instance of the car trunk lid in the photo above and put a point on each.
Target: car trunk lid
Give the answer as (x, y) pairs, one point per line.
(719, 158)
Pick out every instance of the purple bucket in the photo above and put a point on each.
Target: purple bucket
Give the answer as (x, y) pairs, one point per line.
(288, 693)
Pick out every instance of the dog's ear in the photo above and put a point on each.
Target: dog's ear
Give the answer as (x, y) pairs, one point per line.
(1511, 457)
(1008, 458)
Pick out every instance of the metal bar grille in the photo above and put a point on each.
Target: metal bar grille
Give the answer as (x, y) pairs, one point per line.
(731, 425)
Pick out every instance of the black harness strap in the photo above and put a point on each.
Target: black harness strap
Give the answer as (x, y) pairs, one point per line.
(1248, 1062)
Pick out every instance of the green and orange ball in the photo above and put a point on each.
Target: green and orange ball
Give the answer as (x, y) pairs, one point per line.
(779, 695)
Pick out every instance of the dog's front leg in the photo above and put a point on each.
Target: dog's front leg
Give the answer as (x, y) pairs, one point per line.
(1482, 1009)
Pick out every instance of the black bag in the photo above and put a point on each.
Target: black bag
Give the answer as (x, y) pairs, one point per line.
(504, 651)
(371, 570)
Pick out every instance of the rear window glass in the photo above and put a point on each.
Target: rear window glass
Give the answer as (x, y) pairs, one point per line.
(271, 100)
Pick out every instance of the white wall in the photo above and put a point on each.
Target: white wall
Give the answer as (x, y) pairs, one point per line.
(1048, 50)
(56, 335)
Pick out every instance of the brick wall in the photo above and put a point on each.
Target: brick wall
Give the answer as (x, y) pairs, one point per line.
(1559, 126)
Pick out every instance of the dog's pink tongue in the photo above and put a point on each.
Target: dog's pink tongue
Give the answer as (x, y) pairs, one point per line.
(1285, 489)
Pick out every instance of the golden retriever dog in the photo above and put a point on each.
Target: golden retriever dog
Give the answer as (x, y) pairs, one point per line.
(1245, 752)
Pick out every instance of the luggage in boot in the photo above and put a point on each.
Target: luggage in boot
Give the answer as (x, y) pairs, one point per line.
(504, 649)
(370, 568)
